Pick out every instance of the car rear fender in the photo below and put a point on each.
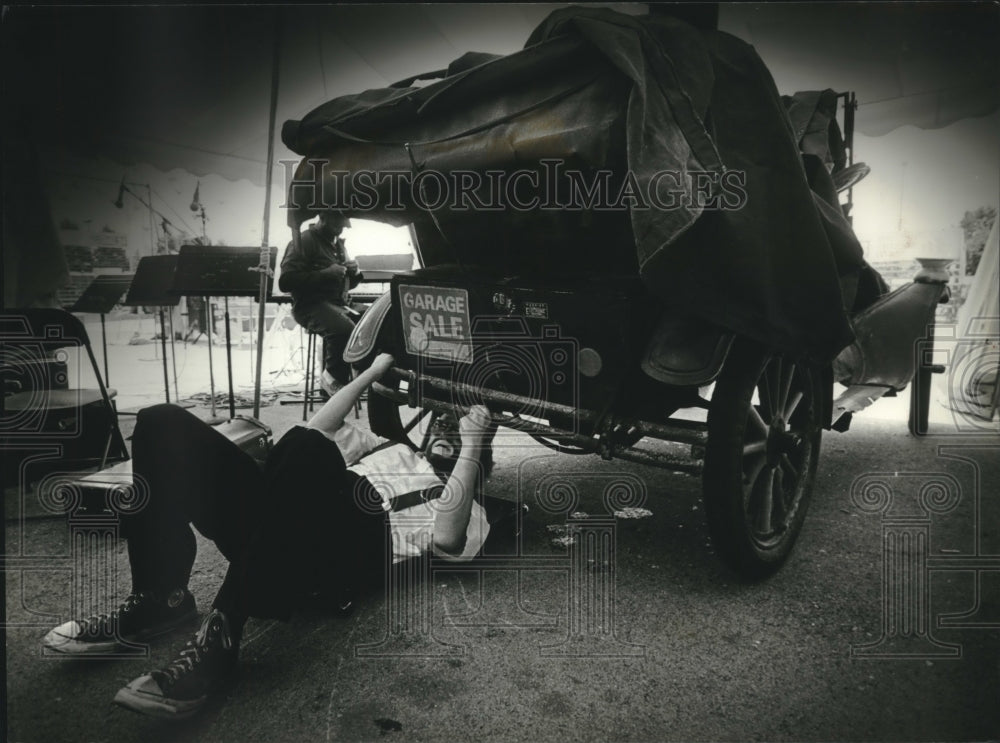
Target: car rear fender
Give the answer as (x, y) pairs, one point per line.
(686, 351)
(363, 340)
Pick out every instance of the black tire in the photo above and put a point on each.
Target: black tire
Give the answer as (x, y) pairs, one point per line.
(763, 446)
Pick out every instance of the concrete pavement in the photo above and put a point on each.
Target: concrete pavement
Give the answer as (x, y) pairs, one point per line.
(676, 649)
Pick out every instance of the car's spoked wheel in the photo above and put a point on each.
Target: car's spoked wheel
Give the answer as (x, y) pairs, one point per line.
(775, 451)
(760, 460)
(416, 424)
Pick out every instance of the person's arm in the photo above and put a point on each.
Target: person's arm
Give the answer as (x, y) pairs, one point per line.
(331, 416)
(454, 507)
(354, 275)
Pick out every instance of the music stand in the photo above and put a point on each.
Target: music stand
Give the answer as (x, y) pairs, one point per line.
(221, 271)
(100, 297)
(153, 276)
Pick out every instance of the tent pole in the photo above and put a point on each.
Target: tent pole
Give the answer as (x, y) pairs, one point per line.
(173, 352)
(104, 345)
(211, 371)
(163, 342)
(229, 363)
(265, 251)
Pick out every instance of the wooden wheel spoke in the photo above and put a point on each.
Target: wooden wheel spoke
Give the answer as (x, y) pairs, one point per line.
(755, 447)
(758, 420)
(416, 419)
(756, 466)
(770, 387)
(786, 388)
(779, 493)
(766, 505)
(787, 466)
(791, 405)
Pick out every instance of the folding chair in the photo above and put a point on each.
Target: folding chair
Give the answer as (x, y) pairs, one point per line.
(76, 427)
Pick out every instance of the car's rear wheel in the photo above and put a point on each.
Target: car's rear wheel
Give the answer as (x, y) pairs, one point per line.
(760, 460)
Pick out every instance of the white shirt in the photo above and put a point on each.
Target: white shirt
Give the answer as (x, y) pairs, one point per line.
(395, 471)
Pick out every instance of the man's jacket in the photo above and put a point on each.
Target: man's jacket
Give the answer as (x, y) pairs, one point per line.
(302, 270)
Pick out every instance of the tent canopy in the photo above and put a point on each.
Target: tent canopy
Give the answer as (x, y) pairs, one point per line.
(188, 86)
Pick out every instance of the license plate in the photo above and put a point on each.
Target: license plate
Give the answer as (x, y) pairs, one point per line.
(436, 322)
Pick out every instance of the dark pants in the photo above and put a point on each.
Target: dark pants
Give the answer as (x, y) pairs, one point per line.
(193, 475)
(333, 323)
(286, 531)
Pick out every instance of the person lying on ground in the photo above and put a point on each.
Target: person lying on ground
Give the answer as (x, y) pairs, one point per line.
(313, 520)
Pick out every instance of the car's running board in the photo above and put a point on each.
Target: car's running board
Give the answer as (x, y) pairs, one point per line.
(854, 398)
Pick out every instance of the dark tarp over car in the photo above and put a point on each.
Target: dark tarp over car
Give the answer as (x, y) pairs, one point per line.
(597, 90)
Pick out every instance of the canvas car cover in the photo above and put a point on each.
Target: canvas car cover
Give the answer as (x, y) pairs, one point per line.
(636, 96)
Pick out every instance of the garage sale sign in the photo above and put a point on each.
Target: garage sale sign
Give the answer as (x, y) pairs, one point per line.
(436, 322)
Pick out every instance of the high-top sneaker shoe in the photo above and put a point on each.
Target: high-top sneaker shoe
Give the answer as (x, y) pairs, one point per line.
(141, 617)
(182, 688)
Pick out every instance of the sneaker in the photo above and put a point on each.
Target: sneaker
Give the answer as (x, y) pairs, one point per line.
(182, 688)
(328, 384)
(142, 616)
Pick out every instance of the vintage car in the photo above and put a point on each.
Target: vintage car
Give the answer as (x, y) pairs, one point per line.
(630, 246)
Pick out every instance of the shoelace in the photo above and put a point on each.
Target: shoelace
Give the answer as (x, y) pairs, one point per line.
(184, 663)
(131, 601)
(193, 654)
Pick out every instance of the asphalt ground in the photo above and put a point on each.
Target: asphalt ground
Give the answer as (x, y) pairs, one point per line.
(643, 637)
